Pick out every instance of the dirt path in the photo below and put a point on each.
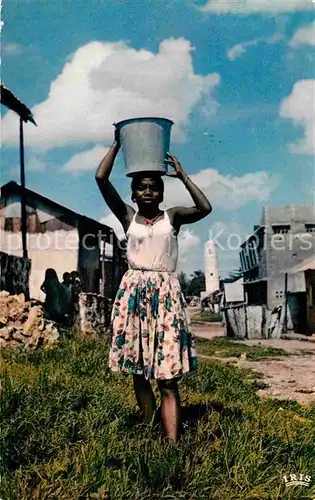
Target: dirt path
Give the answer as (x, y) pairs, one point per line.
(290, 377)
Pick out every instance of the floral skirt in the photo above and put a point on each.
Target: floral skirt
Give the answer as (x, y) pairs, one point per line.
(150, 333)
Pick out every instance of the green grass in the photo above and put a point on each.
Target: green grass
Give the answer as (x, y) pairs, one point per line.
(226, 348)
(69, 428)
(207, 317)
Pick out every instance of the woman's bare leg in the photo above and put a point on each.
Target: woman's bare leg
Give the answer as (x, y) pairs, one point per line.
(145, 397)
(170, 408)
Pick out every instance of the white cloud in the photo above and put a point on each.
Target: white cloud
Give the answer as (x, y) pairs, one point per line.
(12, 49)
(299, 107)
(85, 160)
(304, 36)
(32, 164)
(225, 192)
(36, 164)
(106, 82)
(255, 6)
(188, 242)
(240, 48)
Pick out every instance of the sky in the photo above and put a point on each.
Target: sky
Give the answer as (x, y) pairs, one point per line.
(235, 76)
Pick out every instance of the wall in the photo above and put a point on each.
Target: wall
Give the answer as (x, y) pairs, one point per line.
(253, 322)
(276, 287)
(235, 321)
(56, 249)
(14, 274)
(310, 286)
(287, 250)
(234, 292)
(89, 260)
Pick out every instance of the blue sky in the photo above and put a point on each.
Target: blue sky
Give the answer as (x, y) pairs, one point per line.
(236, 77)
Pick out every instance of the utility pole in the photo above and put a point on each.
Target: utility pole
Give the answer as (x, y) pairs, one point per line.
(9, 100)
(285, 319)
(23, 197)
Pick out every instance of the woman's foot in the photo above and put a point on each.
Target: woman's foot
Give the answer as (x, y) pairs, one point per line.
(170, 408)
(145, 397)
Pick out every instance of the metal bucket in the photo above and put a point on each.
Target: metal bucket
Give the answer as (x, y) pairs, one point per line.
(145, 142)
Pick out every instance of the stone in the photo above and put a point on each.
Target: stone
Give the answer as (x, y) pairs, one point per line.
(41, 325)
(3, 320)
(5, 333)
(20, 298)
(52, 340)
(24, 325)
(32, 320)
(12, 344)
(34, 341)
(19, 337)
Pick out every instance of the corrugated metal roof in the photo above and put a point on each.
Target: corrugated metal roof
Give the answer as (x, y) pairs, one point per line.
(12, 189)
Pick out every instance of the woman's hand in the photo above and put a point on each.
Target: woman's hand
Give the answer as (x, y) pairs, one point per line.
(178, 169)
(117, 137)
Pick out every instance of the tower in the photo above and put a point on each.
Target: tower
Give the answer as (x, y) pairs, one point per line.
(211, 267)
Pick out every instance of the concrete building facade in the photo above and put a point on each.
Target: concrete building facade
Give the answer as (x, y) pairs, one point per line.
(285, 237)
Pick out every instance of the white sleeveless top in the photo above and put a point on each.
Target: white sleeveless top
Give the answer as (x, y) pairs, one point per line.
(153, 247)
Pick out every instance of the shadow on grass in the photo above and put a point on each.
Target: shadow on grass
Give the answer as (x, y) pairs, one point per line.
(191, 415)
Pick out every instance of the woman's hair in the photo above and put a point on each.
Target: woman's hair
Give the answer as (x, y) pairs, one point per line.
(51, 275)
(137, 178)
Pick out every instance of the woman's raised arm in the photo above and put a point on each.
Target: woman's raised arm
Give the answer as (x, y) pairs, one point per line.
(123, 212)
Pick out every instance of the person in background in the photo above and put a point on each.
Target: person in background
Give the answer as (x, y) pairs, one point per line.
(76, 285)
(67, 296)
(53, 300)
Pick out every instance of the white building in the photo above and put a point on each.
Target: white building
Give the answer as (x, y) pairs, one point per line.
(211, 269)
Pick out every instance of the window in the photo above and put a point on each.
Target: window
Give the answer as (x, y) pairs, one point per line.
(310, 228)
(279, 294)
(283, 229)
(243, 263)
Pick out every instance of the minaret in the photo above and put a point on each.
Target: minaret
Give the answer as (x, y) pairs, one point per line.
(211, 267)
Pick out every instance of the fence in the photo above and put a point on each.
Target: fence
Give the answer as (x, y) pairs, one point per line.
(253, 322)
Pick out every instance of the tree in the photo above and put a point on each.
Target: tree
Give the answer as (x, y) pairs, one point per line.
(197, 283)
(184, 282)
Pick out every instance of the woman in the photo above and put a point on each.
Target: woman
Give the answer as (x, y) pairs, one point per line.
(53, 301)
(150, 336)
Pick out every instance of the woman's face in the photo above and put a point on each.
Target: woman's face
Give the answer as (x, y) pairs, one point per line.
(148, 191)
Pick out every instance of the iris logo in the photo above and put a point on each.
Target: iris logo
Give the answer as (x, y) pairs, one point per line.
(297, 480)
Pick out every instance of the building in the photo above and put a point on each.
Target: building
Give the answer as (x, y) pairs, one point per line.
(285, 238)
(304, 304)
(212, 280)
(59, 238)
